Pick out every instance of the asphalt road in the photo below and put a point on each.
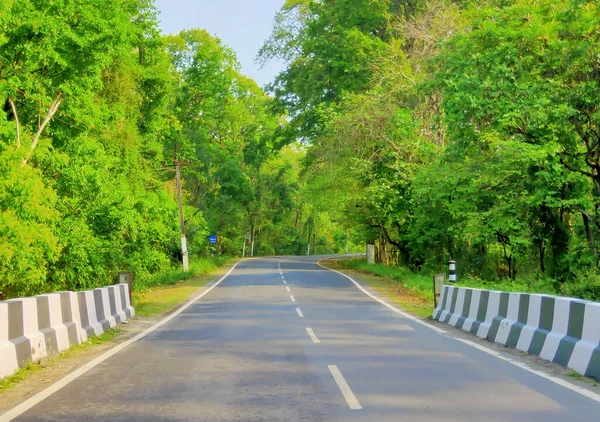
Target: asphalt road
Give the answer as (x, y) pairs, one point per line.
(251, 350)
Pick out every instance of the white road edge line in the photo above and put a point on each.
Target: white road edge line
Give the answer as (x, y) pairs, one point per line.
(300, 314)
(287, 288)
(312, 335)
(292, 298)
(47, 392)
(556, 380)
(387, 305)
(344, 388)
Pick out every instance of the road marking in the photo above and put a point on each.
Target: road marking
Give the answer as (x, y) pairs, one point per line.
(564, 383)
(284, 282)
(344, 388)
(300, 314)
(282, 276)
(312, 335)
(387, 305)
(287, 288)
(47, 392)
(292, 298)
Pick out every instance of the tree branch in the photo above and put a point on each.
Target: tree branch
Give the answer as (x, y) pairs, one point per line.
(14, 110)
(571, 168)
(51, 112)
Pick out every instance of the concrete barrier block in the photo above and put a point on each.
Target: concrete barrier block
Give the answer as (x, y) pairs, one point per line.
(457, 311)
(8, 353)
(50, 322)
(71, 318)
(127, 308)
(493, 305)
(583, 352)
(558, 328)
(23, 330)
(473, 310)
(447, 303)
(116, 308)
(533, 323)
(512, 316)
(87, 311)
(102, 302)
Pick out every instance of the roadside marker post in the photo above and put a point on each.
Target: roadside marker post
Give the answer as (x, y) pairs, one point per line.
(438, 281)
(452, 270)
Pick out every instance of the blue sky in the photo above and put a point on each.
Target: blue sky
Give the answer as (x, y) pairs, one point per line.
(242, 24)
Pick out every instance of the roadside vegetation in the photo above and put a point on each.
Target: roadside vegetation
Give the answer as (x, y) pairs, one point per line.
(432, 129)
(171, 291)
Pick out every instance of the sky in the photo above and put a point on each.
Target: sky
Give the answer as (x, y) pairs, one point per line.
(241, 24)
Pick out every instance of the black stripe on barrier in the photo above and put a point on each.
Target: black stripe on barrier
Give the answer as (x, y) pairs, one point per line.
(502, 313)
(574, 332)
(481, 311)
(465, 309)
(545, 326)
(515, 330)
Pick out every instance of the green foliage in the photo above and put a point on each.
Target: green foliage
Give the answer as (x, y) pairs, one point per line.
(471, 132)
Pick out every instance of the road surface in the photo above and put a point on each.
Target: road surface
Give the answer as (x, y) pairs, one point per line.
(283, 339)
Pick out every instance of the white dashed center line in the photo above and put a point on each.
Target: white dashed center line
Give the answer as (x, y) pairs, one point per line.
(292, 298)
(344, 388)
(300, 314)
(287, 288)
(312, 335)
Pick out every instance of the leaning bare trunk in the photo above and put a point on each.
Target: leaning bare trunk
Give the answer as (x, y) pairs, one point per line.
(51, 112)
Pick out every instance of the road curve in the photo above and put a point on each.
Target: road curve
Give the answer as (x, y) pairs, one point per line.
(282, 339)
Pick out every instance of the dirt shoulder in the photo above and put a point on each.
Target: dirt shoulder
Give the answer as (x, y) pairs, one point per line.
(395, 291)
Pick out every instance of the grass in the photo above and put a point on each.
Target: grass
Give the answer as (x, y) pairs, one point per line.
(31, 368)
(576, 375)
(163, 297)
(413, 292)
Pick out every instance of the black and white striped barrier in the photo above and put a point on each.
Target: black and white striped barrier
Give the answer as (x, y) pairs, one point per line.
(558, 329)
(33, 328)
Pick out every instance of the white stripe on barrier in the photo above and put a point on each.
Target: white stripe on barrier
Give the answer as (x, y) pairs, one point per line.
(89, 318)
(590, 339)
(8, 363)
(51, 324)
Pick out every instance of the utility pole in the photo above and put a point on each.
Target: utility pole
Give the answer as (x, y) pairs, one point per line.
(308, 247)
(253, 233)
(184, 251)
(244, 246)
(346, 240)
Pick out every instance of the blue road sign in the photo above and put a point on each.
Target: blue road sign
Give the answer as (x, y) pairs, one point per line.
(212, 239)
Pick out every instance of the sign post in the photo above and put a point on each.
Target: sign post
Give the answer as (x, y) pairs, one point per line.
(438, 281)
(212, 238)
